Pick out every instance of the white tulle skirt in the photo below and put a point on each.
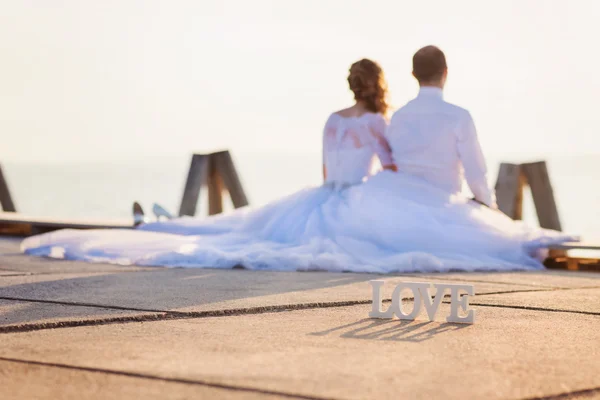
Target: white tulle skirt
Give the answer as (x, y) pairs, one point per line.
(391, 223)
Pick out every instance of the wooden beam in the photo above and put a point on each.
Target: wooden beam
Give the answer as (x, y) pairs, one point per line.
(231, 180)
(509, 190)
(543, 199)
(13, 223)
(197, 177)
(215, 189)
(576, 246)
(5, 198)
(543, 194)
(217, 172)
(573, 264)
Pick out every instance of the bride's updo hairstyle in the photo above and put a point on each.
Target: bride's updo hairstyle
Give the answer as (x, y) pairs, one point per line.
(367, 82)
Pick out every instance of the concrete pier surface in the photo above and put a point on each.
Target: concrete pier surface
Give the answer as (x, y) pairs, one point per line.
(71, 330)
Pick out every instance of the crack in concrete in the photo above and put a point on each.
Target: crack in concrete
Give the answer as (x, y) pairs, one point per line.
(541, 287)
(162, 315)
(534, 308)
(461, 279)
(515, 291)
(172, 380)
(111, 307)
(82, 322)
(584, 393)
(80, 304)
(73, 272)
(171, 315)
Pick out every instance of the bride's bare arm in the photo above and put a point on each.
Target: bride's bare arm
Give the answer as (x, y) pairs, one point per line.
(382, 146)
(328, 140)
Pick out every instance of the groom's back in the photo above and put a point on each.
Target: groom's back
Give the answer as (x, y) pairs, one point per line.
(435, 140)
(423, 138)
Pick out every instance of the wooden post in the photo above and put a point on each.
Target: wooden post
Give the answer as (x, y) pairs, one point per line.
(197, 177)
(5, 198)
(232, 182)
(543, 195)
(509, 193)
(509, 190)
(215, 189)
(543, 199)
(217, 172)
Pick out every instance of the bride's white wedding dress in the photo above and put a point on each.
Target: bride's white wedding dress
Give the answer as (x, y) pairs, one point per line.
(394, 222)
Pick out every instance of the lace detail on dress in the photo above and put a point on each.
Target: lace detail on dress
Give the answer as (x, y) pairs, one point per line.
(350, 143)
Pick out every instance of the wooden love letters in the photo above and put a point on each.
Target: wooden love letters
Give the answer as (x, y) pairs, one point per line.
(423, 297)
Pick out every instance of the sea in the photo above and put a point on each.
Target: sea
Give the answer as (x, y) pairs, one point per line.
(102, 190)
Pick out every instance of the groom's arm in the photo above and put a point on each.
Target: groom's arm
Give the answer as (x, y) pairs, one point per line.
(473, 161)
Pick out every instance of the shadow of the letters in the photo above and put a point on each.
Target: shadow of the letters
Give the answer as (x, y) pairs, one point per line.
(392, 330)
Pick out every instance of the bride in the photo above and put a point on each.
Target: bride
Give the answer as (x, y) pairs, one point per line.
(393, 222)
(352, 140)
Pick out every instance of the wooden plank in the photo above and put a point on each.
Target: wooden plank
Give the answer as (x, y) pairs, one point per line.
(231, 180)
(543, 194)
(573, 264)
(576, 246)
(15, 224)
(197, 177)
(15, 229)
(6, 201)
(509, 190)
(215, 189)
(7, 218)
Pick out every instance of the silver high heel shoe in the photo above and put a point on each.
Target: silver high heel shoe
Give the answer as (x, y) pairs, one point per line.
(159, 211)
(138, 214)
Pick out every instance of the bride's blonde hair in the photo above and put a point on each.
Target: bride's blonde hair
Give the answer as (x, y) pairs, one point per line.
(367, 82)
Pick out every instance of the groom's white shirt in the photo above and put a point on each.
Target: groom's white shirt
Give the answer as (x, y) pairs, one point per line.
(437, 141)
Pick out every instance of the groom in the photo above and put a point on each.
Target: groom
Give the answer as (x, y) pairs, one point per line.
(436, 140)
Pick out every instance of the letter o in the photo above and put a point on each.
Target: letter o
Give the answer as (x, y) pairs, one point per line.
(397, 300)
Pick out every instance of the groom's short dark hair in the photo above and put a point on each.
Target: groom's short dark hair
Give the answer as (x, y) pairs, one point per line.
(429, 64)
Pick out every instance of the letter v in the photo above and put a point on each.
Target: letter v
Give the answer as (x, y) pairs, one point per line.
(432, 306)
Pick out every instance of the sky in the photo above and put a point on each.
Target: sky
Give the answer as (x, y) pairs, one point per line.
(113, 80)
